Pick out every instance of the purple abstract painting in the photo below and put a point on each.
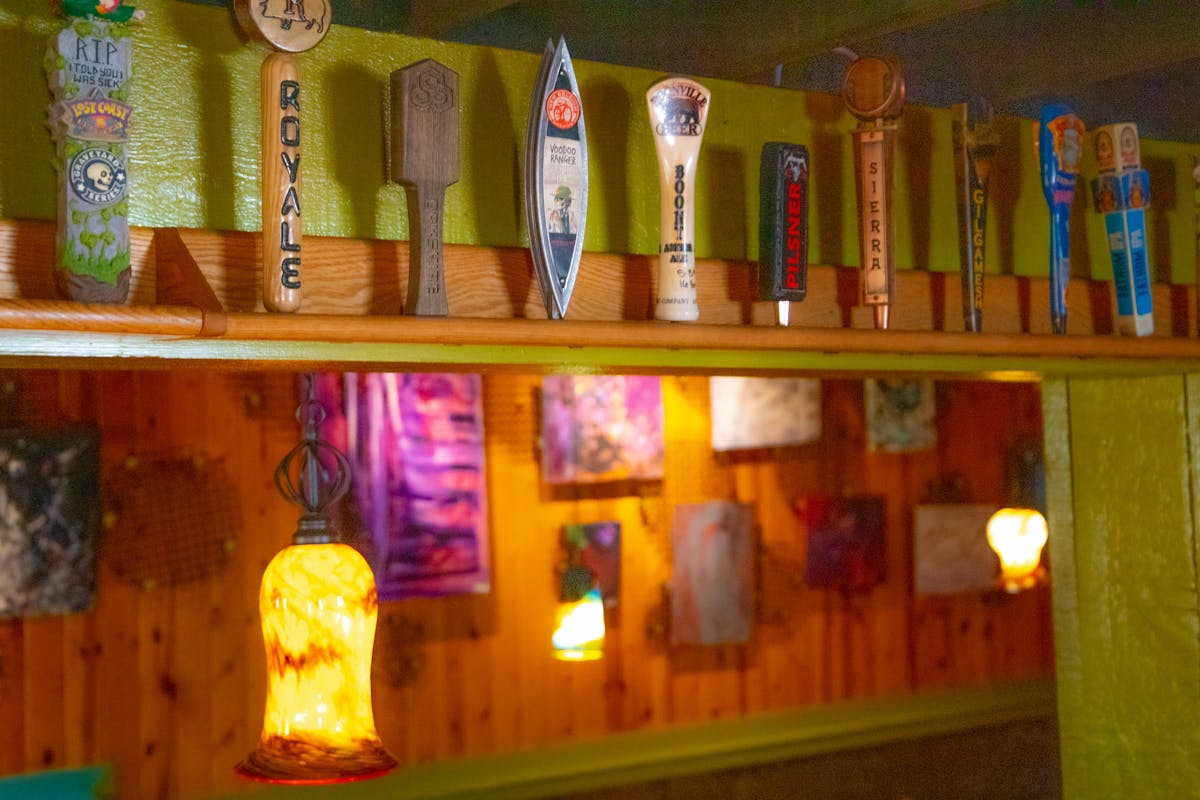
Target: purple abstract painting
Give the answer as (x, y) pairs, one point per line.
(712, 581)
(415, 443)
(601, 428)
(845, 540)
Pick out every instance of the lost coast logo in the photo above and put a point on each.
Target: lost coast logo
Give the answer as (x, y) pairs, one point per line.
(97, 177)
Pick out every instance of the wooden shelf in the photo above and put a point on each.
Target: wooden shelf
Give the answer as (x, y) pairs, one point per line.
(195, 301)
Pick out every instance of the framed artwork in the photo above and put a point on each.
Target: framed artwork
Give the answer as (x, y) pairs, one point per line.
(901, 415)
(845, 541)
(49, 504)
(595, 549)
(712, 580)
(749, 413)
(951, 554)
(419, 488)
(599, 428)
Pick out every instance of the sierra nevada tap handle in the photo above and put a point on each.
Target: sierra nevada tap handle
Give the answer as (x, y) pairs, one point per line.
(874, 92)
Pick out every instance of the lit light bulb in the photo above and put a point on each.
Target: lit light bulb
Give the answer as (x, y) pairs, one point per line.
(1018, 536)
(580, 632)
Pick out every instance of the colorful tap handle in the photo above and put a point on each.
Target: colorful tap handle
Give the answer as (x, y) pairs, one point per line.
(1059, 144)
(89, 68)
(556, 178)
(1121, 193)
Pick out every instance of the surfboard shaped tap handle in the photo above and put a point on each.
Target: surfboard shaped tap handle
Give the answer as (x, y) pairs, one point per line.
(556, 178)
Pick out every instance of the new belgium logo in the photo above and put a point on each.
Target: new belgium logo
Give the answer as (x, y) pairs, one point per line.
(97, 177)
(563, 109)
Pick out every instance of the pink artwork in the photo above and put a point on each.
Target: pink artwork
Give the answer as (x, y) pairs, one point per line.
(712, 582)
(418, 494)
(601, 428)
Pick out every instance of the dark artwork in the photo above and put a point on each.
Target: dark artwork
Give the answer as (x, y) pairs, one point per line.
(845, 541)
(594, 559)
(415, 444)
(48, 519)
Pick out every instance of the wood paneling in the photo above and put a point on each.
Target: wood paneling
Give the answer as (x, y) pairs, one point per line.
(167, 683)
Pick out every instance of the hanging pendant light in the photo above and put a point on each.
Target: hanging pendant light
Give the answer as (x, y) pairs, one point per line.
(318, 607)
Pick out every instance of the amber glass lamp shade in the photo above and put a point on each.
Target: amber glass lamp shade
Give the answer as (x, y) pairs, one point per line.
(318, 607)
(580, 632)
(1018, 536)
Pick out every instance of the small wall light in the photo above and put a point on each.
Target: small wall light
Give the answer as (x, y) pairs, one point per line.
(1018, 532)
(1018, 536)
(318, 607)
(579, 632)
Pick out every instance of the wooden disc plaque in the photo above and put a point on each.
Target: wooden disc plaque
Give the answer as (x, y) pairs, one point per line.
(874, 88)
(290, 26)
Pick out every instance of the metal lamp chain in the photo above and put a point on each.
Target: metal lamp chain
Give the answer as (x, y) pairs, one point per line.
(303, 478)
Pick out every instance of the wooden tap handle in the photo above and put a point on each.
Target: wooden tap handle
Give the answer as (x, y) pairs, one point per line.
(287, 28)
(426, 277)
(425, 159)
(281, 228)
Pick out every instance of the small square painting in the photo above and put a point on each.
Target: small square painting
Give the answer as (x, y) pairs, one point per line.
(901, 415)
(845, 541)
(951, 551)
(599, 428)
(596, 548)
(749, 413)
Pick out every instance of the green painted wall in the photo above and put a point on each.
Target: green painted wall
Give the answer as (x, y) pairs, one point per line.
(194, 156)
(1120, 459)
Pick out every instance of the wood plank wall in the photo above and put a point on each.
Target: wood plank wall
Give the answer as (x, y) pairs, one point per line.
(167, 683)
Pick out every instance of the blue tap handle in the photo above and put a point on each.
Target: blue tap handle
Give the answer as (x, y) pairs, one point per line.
(1060, 266)
(1060, 145)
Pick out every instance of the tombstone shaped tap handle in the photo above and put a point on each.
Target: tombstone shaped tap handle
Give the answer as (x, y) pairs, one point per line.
(425, 159)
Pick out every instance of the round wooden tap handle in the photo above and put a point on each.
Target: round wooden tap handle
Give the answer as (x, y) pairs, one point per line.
(288, 26)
